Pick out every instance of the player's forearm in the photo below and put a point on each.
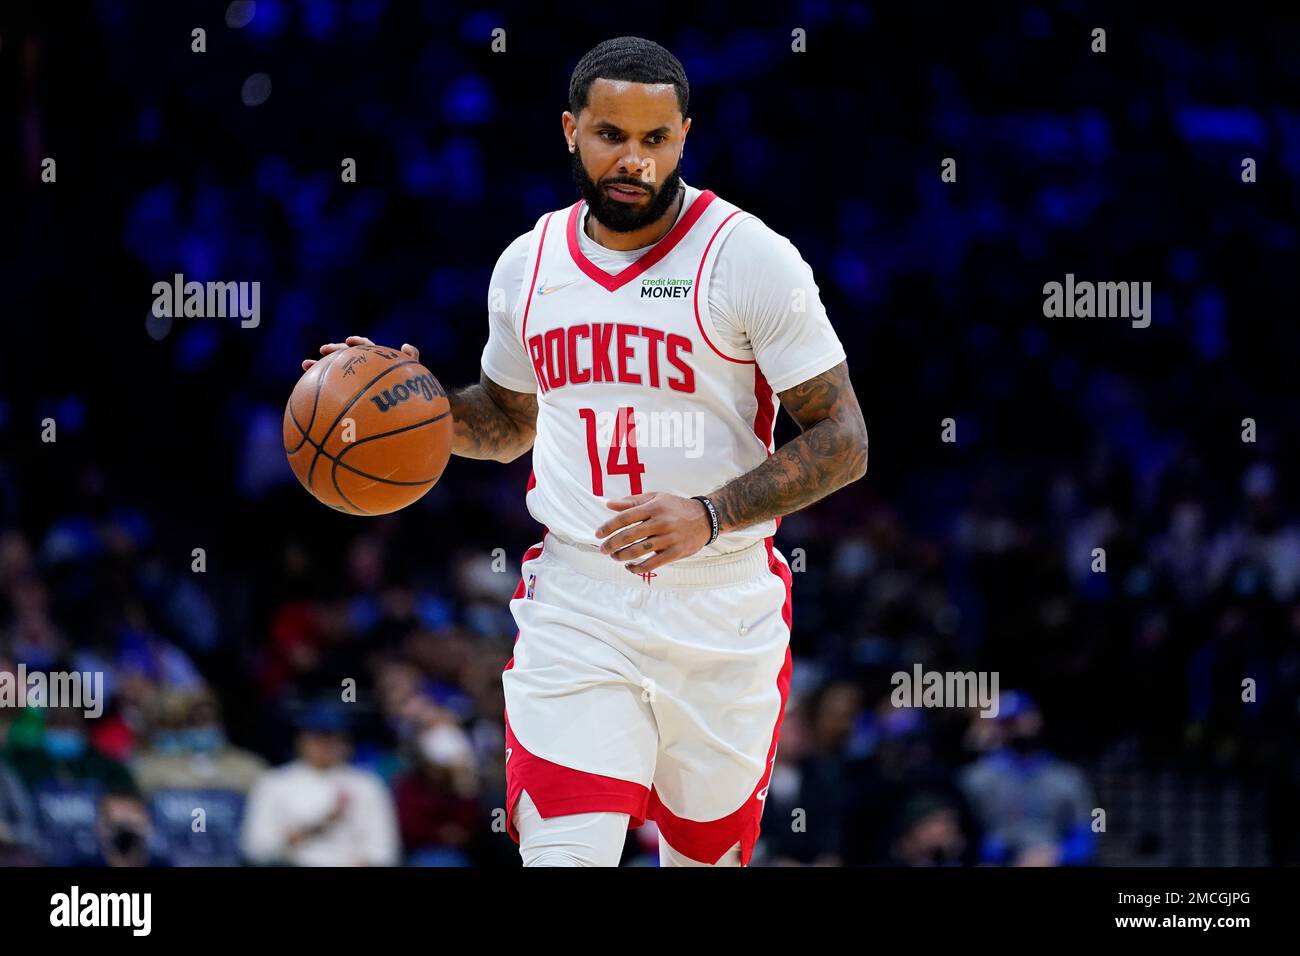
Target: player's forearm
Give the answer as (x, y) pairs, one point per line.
(483, 429)
(826, 457)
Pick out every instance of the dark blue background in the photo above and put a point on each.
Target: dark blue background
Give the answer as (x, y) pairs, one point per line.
(1072, 434)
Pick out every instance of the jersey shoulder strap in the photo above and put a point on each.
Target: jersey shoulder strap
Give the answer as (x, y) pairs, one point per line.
(547, 231)
(720, 224)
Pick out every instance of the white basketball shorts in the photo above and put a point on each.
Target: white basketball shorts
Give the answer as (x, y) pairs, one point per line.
(660, 697)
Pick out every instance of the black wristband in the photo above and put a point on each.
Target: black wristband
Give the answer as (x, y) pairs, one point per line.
(713, 516)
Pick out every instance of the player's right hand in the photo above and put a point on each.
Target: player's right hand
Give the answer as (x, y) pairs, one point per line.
(351, 340)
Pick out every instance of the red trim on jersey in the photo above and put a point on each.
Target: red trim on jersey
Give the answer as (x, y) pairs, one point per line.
(764, 419)
(706, 842)
(696, 298)
(541, 244)
(660, 249)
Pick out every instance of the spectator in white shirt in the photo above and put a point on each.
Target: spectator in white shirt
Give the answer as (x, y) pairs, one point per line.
(318, 810)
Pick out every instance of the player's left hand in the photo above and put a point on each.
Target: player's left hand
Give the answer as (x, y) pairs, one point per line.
(670, 526)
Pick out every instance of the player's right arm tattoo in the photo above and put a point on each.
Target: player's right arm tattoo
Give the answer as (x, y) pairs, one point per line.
(493, 423)
(831, 453)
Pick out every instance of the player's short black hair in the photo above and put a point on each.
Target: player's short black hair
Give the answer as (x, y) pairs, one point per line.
(633, 59)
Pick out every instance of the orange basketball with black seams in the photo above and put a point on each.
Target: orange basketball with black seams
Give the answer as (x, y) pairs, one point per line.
(368, 430)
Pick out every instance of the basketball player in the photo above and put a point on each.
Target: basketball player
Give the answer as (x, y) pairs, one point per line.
(638, 342)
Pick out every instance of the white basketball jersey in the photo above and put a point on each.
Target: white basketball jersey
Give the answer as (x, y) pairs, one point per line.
(635, 390)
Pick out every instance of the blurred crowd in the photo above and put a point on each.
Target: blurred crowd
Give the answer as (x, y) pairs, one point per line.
(313, 689)
(363, 725)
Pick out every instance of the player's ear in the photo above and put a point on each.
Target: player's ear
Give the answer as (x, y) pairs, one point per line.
(570, 124)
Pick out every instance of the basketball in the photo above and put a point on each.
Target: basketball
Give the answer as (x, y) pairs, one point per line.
(368, 430)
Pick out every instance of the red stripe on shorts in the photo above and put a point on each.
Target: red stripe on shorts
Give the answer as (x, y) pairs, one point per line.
(557, 790)
(706, 842)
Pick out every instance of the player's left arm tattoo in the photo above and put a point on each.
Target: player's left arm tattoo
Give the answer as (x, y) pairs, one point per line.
(831, 452)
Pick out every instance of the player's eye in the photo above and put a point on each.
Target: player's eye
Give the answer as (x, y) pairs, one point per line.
(656, 139)
(609, 136)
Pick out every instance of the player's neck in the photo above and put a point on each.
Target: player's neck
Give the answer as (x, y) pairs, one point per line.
(645, 236)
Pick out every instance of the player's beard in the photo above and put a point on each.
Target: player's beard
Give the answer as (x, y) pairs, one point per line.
(617, 216)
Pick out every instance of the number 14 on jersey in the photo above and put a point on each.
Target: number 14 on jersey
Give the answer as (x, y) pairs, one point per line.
(623, 445)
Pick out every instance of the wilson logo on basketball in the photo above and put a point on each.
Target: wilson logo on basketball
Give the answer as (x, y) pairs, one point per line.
(423, 386)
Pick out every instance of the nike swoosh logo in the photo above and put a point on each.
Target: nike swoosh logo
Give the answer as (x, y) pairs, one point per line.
(746, 628)
(509, 750)
(771, 764)
(545, 289)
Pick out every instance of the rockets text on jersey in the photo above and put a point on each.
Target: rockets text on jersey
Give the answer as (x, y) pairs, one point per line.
(633, 392)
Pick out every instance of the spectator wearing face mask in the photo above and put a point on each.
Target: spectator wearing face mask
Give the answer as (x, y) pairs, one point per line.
(188, 749)
(66, 778)
(125, 832)
(190, 773)
(930, 833)
(1034, 808)
(63, 754)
